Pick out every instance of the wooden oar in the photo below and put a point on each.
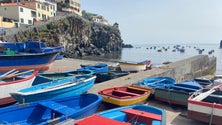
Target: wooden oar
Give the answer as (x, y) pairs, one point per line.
(13, 75)
(5, 76)
(207, 93)
(7, 73)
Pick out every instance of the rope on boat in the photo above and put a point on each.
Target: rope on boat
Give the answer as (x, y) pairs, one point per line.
(212, 113)
(135, 117)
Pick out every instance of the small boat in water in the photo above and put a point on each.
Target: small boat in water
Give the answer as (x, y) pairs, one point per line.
(50, 112)
(26, 56)
(127, 115)
(130, 66)
(178, 93)
(205, 105)
(124, 95)
(55, 89)
(156, 82)
(96, 68)
(12, 81)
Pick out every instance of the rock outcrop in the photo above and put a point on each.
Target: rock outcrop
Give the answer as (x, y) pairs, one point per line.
(79, 36)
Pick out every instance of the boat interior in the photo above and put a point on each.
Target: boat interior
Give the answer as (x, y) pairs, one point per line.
(125, 92)
(215, 97)
(124, 117)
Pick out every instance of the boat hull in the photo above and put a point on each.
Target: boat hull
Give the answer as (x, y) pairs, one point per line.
(171, 96)
(51, 111)
(201, 111)
(130, 67)
(205, 105)
(12, 86)
(51, 92)
(127, 115)
(40, 61)
(123, 96)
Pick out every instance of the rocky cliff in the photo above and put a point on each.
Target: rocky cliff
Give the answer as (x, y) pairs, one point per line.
(79, 36)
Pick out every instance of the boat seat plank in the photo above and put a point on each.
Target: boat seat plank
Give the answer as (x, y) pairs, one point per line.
(62, 109)
(124, 92)
(216, 96)
(99, 120)
(142, 114)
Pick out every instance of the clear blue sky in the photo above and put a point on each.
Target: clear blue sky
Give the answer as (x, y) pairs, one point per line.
(162, 21)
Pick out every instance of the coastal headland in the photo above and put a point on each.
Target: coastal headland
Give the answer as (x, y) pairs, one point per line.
(189, 68)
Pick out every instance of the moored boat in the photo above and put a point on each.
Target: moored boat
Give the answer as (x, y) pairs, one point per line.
(12, 81)
(178, 93)
(51, 76)
(127, 115)
(124, 95)
(156, 82)
(101, 77)
(51, 111)
(205, 105)
(55, 89)
(130, 66)
(23, 56)
(205, 82)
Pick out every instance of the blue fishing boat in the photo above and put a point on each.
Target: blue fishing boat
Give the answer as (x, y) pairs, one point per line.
(50, 112)
(55, 89)
(51, 76)
(127, 115)
(156, 82)
(96, 68)
(178, 93)
(26, 56)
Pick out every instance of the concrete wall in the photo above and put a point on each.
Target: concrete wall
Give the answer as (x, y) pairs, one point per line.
(191, 68)
(186, 69)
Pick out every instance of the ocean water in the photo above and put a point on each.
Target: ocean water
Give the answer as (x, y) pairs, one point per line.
(166, 53)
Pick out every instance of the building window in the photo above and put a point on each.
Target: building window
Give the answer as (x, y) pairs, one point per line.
(22, 20)
(39, 6)
(21, 9)
(30, 22)
(39, 14)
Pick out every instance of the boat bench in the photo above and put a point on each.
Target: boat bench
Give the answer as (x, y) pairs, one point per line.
(124, 92)
(142, 115)
(99, 120)
(62, 109)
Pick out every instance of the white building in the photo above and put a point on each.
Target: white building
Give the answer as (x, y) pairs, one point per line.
(18, 12)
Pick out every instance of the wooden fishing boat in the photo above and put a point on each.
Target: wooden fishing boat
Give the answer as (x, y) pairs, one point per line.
(127, 115)
(156, 82)
(12, 81)
(124, 95)
(101, 77)
(130, 66)
(205, 105)
(51, 76)
(50, 112)
(178, 93)
(55, 89)
(96, 68)
(205, 82)
(24, 56)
